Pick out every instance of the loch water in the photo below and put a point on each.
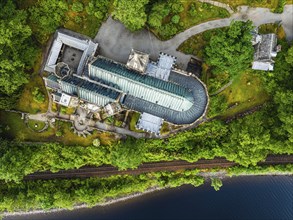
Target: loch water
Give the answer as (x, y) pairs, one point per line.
(249, 197)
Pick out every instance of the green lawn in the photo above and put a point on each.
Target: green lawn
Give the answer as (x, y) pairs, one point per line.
(134, 119)
(26, 102)
(247, 91)
(195, 44)
(204, 12)
(36, 125)
(253, 3)
(272, 28)
(13, 127)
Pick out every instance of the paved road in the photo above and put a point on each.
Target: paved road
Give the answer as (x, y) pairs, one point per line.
(115, 41)
(105, 171)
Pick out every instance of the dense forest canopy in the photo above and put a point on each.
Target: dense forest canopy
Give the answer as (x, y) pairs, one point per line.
(231, 50)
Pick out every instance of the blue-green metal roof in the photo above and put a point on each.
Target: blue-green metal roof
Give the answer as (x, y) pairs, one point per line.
(52, 77)
(121, 70)
(87, 85)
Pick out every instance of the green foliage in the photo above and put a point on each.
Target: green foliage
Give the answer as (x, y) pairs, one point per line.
(280, 6)
(234, 42)
(78, 19)
(192, 10)
(59, 133)
(8, 102)
(248, 140)
(18, 160)
(38, 95)
(131, 13)
(77, 6)
(261, 170)
(48, 194)
(46, 16)
(128, 155)
(289, 57)
(218, 104)
(17, 52)
(96, 142)
(216, 183)
(162, 10)
(175, 19)
(98, 8)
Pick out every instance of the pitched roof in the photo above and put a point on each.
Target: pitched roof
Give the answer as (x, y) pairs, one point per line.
(121, 70)
(90, 86)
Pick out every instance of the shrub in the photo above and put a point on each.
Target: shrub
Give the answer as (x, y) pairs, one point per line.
(175, 19)
(216, 183)
(96, 142)
(38, 95)
(59, 133)
(77, 7)
(78, 19)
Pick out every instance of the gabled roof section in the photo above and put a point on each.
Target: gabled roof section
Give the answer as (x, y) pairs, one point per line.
(121, 70)
(90, 86)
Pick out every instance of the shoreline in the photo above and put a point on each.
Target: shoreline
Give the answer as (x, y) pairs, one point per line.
(106, 203)
(222, 174)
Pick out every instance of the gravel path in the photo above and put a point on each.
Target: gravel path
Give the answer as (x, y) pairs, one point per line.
(116, 41)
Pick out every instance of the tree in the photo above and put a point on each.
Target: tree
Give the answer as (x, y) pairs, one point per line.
(98, 8)
(192, 10)
(249, 139)
(38, 95)
(231, 50)
(77, 6)
(216, 183)
(289, 57)
(17, 52)
(131, 13)
(46, 16)
(175, 19)
(128, 154)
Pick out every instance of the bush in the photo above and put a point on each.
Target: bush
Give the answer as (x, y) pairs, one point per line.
(280, 6)
(175, 19)
(38, 95)
(59, 133)
(216, 183)
(77, 7)
(192, 10)
(78, 19)
(97, 142)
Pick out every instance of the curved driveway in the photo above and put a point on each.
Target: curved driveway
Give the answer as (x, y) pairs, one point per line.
(115, 41)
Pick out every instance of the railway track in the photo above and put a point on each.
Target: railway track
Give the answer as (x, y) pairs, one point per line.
(104, 171)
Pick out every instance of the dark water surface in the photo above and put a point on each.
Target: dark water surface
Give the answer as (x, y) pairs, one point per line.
(269, 197)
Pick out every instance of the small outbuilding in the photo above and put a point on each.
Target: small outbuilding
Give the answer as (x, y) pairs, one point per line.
(265, 50)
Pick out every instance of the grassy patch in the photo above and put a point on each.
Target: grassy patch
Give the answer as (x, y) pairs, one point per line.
(202, 12)
(256, 3)
(36, 125)
(195, 44)
(134, 119)
(165, 128)
(82, 22)
(27, 103)
(245, 92)
(272, 28)
(14, 128)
